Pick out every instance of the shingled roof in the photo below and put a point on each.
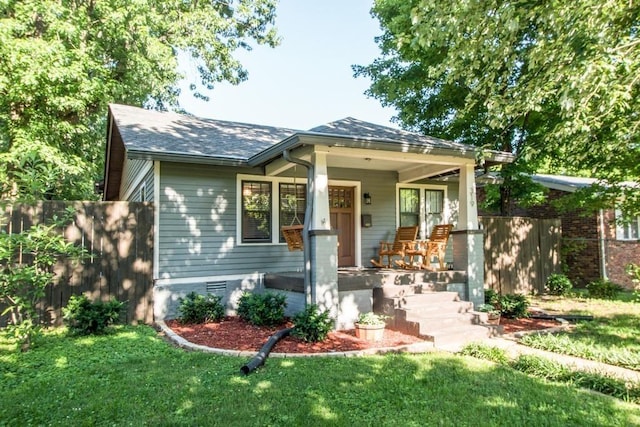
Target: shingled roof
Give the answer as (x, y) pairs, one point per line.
(151, 133)
(360, 129)
(154, 134)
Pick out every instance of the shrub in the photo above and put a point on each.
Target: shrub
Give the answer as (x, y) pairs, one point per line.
(603, 289)
(633, 270)
(558, 284)
(27, 261)
(491, 297)
(515, 305)
(262, 309)
(312, 325)
(84, 317)
(197, 308)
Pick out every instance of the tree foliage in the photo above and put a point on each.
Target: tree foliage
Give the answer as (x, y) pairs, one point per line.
(27, 262)
(61, 63)
(556, 83)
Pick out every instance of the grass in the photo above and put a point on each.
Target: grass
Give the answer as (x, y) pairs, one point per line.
(612, 337)
(547, 369)
(133, 377)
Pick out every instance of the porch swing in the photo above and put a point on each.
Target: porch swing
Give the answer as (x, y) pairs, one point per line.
(293, 233)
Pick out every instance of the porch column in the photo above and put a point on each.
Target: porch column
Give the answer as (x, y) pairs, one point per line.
(323, 242)
(468, 241)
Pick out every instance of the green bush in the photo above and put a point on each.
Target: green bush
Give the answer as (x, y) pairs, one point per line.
(197, 308)
(262, 309)
(84, 317)
(312, 325)
(633, 270)
(603, 289)
(27, 261)
(515, 305)
(558, 284)
(491, 297)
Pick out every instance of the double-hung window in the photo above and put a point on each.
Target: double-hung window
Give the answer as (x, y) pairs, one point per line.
(627, 228)
(256, 212)
(422, 205)
(293, 202)
(268, 204)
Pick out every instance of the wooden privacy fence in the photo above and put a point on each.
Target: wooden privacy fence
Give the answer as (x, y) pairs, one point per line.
(520, 253)
(119, 239)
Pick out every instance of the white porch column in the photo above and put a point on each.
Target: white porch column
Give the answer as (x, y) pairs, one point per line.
(468, 215)
(468, 241)
(320, 219)
(323, 242)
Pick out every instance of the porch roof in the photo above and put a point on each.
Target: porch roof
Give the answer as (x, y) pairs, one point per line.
(136, 133)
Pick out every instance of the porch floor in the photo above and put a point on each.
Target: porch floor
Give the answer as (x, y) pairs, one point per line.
(350, 279)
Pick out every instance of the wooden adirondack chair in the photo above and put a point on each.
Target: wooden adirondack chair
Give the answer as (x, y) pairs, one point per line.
(436, 246)
(405, 238)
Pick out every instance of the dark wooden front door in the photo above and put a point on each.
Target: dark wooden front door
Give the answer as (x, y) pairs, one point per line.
(341, 206)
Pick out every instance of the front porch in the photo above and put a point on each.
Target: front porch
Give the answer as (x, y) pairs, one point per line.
(357, 279)
(428, 304)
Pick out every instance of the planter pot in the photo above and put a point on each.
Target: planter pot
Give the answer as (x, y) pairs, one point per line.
(370, 332)
(493, 319)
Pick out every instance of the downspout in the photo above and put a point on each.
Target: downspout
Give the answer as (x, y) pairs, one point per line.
(307, 218)
(603, 253)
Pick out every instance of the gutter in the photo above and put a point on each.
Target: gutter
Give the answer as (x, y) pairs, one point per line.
(603, 252)
(307, 218)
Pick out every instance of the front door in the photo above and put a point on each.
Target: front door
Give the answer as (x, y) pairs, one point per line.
(341, 207)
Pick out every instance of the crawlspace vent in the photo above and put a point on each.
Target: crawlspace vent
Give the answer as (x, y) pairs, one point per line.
(217, 288)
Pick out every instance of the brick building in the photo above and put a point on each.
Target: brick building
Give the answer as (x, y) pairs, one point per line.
(593, 245)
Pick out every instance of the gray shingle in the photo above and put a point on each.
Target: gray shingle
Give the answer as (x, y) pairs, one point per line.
(148, 132)
(170, 133)
(358, 128)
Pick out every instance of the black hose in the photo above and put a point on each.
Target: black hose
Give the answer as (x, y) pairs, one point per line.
(259, 358)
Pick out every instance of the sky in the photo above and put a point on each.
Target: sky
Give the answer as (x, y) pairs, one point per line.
(307, 80)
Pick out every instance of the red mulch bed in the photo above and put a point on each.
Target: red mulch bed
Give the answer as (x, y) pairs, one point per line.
(232, 333)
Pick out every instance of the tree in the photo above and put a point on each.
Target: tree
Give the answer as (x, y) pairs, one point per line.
(61, 63)
(555, 83)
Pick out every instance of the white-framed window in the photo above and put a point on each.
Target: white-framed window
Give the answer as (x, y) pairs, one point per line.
(256, 212)
(423, 205)
(267, 203)
(627, 228)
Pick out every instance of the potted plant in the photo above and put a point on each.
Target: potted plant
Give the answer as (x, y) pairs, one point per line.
(370, 326)
(493, 314)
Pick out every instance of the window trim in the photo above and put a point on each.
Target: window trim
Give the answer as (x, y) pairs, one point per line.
(275, 206)
(422, 203)
(622, 227)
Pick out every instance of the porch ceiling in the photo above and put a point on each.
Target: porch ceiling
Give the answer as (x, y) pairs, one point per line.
(409, 166)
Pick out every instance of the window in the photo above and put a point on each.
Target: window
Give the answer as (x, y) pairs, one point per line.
(293, 203)
(409, 207)
(627, 229)
(256, 212)
(421, 205)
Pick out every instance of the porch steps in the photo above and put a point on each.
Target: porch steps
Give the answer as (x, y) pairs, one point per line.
(439, 317)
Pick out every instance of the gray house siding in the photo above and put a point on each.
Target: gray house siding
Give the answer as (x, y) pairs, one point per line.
(197, 233)
(133, 180)
(197, 227)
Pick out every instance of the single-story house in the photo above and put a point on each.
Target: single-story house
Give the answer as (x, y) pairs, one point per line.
(222, 191)
(595, 245)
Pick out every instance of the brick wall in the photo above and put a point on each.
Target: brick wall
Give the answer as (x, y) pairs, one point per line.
(581, 250)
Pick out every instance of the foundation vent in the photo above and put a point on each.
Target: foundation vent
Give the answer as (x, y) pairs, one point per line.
(217, 288)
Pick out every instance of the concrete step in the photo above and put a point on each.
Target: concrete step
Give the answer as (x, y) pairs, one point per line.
(458, 334)
(442, 309)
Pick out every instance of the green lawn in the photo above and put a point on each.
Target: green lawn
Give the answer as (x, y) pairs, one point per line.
(134, 377)
(613, 336)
